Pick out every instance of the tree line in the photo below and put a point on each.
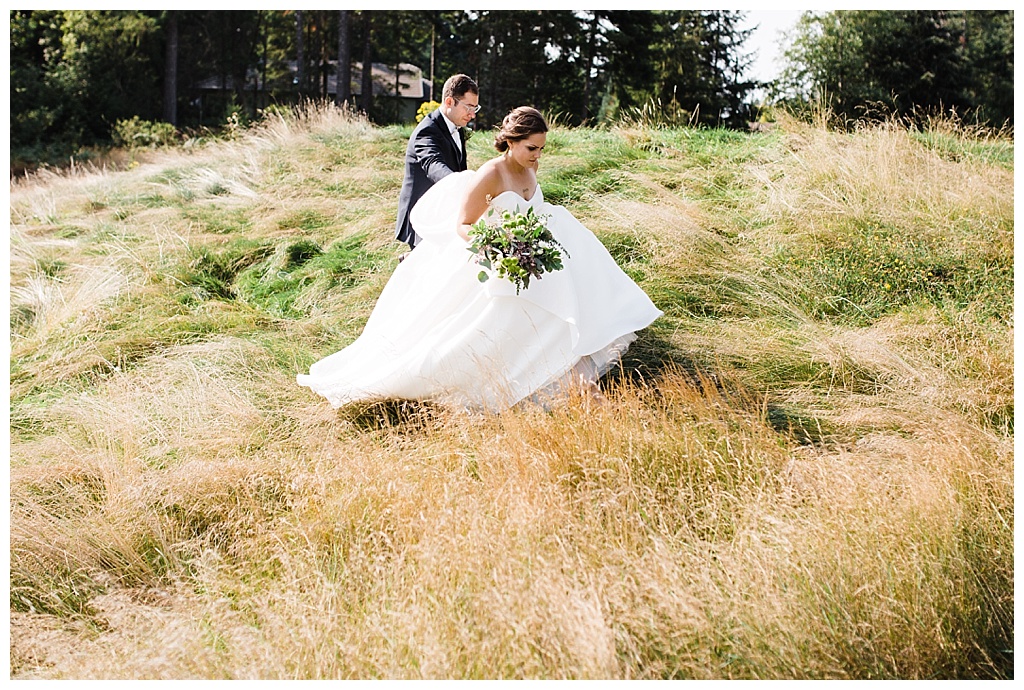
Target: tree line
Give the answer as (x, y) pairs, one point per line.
(883, 62)
(76, 73)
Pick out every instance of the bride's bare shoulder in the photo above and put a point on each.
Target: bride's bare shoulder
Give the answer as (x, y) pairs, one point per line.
(488, 178)
(490, 167)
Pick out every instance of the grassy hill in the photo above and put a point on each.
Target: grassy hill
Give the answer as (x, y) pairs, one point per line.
(804, 469)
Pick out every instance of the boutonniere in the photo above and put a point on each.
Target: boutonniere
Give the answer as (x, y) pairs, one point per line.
(467, 133)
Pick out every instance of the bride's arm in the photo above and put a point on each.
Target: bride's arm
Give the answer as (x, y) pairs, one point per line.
(484, 186)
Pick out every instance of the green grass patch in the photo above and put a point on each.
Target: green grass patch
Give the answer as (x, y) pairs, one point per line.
(61, 592)
(126, 205)
(873, 269)
(218, 220)
(361, 187)
(107, 238)
(706, 147)
(593, 160)
(989, 151)
(289, 282)
(51, 267)
(210, 273)
(631, 252)
(305, 221)
(69, 232)
(283, 279)
(30, 412)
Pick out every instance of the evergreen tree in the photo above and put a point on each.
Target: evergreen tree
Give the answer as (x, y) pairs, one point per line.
(630, 71)
(74, 73)
(171, 69)
(343, 92)
(698, 63)
(41, 115)
(906, 62)
(988, 52)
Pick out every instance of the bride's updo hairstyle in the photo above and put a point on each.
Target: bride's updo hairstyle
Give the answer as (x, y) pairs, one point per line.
(519, 124)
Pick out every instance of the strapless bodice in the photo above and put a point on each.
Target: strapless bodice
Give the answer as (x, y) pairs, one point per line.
(510, 200)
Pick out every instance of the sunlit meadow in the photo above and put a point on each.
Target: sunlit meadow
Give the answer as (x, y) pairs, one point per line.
(803, 470)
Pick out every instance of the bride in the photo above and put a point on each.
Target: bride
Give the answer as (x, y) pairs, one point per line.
(439, 334)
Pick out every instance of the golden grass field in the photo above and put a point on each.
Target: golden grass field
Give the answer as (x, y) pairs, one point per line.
(803, 470)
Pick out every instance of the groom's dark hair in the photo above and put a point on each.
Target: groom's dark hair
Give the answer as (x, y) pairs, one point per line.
(457, 86)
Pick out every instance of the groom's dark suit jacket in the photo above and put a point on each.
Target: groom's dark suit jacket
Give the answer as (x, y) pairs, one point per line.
(430, 156)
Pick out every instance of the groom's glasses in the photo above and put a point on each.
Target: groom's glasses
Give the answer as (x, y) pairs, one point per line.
(471, 108)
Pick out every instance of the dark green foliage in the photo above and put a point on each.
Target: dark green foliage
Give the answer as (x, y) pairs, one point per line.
(37, 102)
(76, 74)
(988, 40)
(699, 65)
(908, 62)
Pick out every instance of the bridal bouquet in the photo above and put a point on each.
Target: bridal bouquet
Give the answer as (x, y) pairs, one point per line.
(517, 246)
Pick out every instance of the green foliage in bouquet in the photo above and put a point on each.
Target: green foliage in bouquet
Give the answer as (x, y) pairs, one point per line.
(517, 246)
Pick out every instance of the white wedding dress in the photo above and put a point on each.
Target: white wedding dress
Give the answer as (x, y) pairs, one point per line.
(438, 334)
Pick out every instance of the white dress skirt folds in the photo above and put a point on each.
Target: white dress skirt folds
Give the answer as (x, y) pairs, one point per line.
(438, 334)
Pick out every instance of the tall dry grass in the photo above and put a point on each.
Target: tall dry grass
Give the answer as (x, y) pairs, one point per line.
(666, 534)
(778, 492)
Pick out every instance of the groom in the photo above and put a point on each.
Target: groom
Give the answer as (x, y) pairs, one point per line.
(436, 149)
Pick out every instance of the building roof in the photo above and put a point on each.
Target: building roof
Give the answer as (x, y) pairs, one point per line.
(411, 83)
(410, 80)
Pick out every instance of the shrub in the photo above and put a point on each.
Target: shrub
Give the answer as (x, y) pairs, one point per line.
(426, 108)
(138, 133)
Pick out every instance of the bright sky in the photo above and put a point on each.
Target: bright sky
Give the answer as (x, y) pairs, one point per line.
(765, 40)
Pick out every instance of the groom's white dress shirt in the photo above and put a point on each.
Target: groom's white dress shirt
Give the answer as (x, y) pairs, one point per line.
(453, 130)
